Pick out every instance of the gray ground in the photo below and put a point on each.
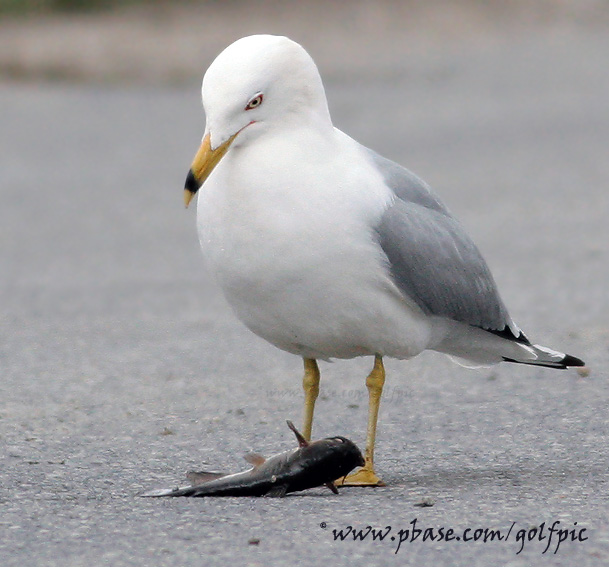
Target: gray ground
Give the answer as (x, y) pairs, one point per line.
(122, 368)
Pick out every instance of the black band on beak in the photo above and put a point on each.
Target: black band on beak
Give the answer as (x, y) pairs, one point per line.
(191, 184)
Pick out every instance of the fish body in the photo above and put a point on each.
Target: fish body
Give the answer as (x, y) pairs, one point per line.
(310, 465)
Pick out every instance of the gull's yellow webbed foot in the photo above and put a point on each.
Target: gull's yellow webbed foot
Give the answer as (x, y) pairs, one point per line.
(363, 477)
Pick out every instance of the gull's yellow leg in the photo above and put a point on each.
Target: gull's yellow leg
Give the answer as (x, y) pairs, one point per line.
(366, 475)
(310, 384)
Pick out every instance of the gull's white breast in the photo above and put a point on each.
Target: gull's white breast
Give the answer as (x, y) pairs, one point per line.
(287, 224)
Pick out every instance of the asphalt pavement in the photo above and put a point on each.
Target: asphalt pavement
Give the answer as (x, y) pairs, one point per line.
(121, 367)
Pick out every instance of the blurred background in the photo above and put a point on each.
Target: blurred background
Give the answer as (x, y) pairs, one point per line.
(164, 42)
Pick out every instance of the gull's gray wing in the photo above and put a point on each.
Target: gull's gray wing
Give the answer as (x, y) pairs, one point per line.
(432, 259)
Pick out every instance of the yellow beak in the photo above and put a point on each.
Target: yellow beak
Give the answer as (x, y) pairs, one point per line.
(202, 165)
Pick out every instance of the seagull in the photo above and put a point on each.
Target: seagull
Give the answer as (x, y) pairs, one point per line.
(325, 248)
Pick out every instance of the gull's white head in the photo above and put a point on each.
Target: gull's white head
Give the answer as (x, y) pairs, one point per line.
(256, 84)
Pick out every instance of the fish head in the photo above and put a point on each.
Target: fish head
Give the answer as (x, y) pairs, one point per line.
(347, 449)
(337, 456)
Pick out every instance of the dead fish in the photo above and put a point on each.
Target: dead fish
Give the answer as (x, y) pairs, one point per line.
(310, 465)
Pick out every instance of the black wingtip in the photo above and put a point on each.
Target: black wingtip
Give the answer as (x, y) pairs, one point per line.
(569, 360)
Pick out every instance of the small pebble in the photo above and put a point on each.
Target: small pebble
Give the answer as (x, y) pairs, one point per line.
(425, 503)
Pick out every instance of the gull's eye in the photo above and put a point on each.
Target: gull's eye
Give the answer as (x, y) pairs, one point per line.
(254, 102)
